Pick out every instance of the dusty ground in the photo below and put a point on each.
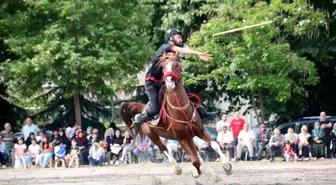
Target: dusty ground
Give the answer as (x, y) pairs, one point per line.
(315, 172)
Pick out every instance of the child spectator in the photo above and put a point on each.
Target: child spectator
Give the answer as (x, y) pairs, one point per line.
(74, 151)
(108, 139)
(34, 151)
(40, 137)
(60, 151)
(20, 158)
(116, 147)
(96, 155)
(47, 152)
(288, 152)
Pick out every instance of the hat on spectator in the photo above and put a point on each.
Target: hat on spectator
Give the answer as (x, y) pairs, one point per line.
(89, 128)
(20, 138)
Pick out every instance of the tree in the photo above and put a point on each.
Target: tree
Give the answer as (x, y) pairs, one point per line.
(75, 44)
(258, 65)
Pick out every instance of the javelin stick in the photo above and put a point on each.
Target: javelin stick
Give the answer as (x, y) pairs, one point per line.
(243, 28)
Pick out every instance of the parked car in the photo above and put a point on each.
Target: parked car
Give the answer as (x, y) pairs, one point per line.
(211, 131)
(308, 121)
(20, 134)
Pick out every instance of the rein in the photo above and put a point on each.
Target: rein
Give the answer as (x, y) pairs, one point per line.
(182, 109)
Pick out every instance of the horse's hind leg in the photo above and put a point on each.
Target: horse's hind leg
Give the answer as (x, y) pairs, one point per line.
(190, 148)
(224, 160)
(163, 149)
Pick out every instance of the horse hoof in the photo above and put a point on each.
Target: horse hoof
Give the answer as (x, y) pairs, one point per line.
(195, 174)
(177, 170)
(227, 168)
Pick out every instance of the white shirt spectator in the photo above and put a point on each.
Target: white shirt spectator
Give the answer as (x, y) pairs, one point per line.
(3, 147)
(225, 137)
(200, 142)
(95, 154)
(26, 130)
(246, 137)
(36, 150)
(220, 124)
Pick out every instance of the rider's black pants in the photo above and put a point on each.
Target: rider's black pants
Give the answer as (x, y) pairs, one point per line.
(152, 90)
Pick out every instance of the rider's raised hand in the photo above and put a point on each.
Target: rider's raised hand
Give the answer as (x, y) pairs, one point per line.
(205, 56)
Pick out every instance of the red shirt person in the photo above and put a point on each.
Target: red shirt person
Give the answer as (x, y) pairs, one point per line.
(237, 125)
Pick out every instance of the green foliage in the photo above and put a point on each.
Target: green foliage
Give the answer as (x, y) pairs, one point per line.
(257, 64)
(76, 43)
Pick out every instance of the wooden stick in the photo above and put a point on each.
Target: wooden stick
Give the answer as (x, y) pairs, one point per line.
(243, 28)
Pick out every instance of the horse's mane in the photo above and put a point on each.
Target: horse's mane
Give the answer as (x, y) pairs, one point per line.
(168, 56)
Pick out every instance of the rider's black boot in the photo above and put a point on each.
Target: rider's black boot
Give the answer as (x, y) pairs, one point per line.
(138, 121)
(204, 114)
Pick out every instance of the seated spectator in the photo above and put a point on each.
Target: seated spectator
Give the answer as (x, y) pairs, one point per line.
(88, 132)
(144, 146)
(74, 153)
(54, 136)
(318, 145)
(246, 138)
(304, 147)
(93, 139)
(20, 158)
(288, 152)
(129, 145)
(262, 140)
(333, 139)
(29, 139)
(34, 151)
(108, 139)
(116, 147)
(225, 139)
(8, 138)
(40, 137)
(276, 143)
(64, 140)
(293, 138)
(82, 144)
(47, 152)
(202, 145)
(60, 151)
(96, 155)
(3, 153)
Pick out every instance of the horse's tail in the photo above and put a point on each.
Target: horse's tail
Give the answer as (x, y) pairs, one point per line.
(127, 113)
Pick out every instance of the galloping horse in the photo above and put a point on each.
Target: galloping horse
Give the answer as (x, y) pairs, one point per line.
(179, 115)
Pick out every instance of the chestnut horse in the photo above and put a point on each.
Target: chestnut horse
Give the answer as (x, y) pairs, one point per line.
(180, 116)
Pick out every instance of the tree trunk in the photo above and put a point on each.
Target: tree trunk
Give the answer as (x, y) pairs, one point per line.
(112, 108)
(255, 108)
(262, 108)
(77, 110)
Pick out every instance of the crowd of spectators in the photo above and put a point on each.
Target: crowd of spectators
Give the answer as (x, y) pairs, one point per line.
(74, 145)
(319, 144)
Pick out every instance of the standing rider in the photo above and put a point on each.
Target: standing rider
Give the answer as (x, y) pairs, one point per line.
(174, 43)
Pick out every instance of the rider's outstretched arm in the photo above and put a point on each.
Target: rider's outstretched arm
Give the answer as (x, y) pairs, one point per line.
(203, 56)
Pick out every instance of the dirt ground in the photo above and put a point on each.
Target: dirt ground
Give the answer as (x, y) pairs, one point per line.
(314, 172)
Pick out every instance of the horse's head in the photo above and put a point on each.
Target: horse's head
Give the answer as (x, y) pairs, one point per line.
(171, 70)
